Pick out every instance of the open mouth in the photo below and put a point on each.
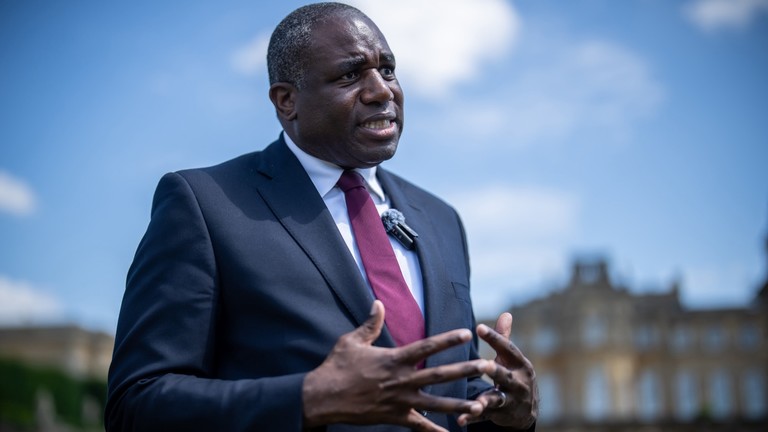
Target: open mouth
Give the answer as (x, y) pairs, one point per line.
(378, 124)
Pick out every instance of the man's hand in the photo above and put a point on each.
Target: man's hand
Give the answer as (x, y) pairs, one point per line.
(515, 400)
(362, 384)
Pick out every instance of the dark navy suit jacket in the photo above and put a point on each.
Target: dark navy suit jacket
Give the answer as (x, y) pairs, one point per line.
(242, 284)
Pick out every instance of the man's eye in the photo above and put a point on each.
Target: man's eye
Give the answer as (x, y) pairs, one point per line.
(350, 75)
(387, 72)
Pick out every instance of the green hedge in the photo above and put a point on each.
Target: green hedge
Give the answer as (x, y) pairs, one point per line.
(21, 382)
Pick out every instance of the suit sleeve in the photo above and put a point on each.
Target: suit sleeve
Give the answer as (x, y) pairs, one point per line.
(162, 375)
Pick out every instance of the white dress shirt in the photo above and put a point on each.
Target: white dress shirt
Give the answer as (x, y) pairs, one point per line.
(324, 176)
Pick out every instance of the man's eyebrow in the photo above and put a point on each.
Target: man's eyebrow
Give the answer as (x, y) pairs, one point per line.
(351, 63)
(359, 60)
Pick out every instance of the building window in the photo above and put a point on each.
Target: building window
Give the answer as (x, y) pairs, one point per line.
(549, 395)
(714, 338)
(594, 331)
(686, 395)
(749, 336)
(596, 394)
(649, 395)
(646, 336)
(545, 340)
(753, 394)
(682, 338)
(720, 394)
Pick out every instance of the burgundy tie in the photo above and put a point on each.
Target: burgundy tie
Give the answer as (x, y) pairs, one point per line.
(403, 316)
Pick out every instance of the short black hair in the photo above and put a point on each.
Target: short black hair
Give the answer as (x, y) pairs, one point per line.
(292, 39)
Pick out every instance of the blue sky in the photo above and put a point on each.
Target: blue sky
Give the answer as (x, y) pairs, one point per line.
(634, 130)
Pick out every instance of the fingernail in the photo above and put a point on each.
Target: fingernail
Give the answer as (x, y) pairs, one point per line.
(373, 308)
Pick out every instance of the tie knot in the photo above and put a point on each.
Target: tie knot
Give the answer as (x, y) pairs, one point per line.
(349, 180)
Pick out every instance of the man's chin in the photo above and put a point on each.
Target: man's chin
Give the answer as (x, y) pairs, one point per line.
(384, 154)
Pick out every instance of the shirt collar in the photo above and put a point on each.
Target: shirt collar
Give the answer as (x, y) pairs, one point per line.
(324, 175)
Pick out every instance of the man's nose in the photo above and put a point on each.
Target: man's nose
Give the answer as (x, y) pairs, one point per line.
(376, 88)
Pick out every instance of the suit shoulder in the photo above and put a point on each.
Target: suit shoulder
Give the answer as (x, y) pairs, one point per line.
(235, 169)
(239, 164)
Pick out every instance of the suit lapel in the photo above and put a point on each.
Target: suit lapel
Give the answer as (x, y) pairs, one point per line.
(290, 194)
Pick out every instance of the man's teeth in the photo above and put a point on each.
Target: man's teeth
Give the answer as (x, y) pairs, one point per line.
(380, 124)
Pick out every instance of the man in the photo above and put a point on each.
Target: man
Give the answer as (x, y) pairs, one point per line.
(250, 302)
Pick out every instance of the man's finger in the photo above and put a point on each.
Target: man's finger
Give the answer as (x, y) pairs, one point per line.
(419, 350)
(467, 419)
(418, 422)
(431, 403)
(441, 374)
(502, 345)
(504, 325)
(370, 330)
(491, 399)
(503, 377)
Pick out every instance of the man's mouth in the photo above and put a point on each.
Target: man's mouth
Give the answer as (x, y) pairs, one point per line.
(378, 124)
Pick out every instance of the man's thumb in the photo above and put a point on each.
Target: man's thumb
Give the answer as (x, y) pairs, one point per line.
(371, 328)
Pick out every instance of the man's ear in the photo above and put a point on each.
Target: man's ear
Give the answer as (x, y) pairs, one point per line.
(283, 97)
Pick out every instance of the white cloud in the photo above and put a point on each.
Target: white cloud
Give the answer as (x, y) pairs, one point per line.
(22, 303)
(517, 235)
(16, 197)
(565, 89)
(441, 44)
(712, 15)
(517, 211)
(251, 58)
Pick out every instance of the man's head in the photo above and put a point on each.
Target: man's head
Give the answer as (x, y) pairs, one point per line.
(333, 85)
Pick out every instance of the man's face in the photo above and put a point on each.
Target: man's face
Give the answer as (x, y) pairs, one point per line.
(349, 110)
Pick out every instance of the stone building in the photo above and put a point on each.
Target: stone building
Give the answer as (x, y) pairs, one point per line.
(77, 351)
(605, 356)
(67, 400)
